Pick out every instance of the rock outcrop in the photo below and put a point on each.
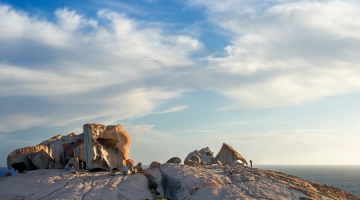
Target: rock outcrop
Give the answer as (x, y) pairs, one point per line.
(176, 160)
(100, 147)
(65, 147)
(172, 180)
(154, 164)
(106, 147)
(201, 157)
(29, 158)
(228, 155)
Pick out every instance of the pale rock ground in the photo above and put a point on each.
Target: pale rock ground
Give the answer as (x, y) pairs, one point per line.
(174, 180)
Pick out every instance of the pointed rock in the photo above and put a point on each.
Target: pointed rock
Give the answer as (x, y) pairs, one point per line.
(228, 155)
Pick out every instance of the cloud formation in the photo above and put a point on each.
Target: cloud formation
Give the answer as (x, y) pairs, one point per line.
(81, 68)
(286, 52)
(112, 67)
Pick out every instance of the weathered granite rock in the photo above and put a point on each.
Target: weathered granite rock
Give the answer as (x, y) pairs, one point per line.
(154, 175)
(65, 147)
(184, 182)
(60, 184)
(40, 160)
(154, 164)
(21, 159)
(139, 167)
(129, 161)
(106, 147)
(176, 160)
(228, 155)
(72, 163)
(174, 181)
(201, 157)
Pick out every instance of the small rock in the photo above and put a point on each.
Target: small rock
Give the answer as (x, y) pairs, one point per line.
(176, 160)
(138, 167)
(154, 164)
(7, 174)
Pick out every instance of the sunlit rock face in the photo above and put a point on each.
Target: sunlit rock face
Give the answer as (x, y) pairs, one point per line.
(106, 147)
(29, 158)
(201, 157)
(228, 155)
(65, 147)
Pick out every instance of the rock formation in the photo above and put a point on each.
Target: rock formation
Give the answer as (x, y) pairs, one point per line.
(176, 160)
(29, 158)
(154, 164)
(139, 167)
(228, 155)
(106, 147)
(172, 180)
(201, 157)
(65, 147)
(72, 163)
(100, 147)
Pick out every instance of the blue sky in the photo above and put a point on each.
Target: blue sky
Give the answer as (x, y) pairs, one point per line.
(277, 80)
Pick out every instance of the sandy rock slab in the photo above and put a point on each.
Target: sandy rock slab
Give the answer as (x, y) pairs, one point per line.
(192, 183)
(60, 184)
(178, 182)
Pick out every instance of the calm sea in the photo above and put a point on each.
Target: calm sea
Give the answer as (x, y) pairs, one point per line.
(344, 177)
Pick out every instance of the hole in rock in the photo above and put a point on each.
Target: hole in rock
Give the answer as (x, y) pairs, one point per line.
(20, 167)
(97, 170)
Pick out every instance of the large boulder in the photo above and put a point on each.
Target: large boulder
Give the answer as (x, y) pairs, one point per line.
(106, 147)
(200, 157)
(29, 158)
(228, 155)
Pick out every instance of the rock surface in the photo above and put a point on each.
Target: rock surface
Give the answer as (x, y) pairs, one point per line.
(61, 184)
(228, 155)
(174, 181)
(29, 158)
(154, 164)
(176, 160)
(65, 147)
(201, 157)
(106, 147)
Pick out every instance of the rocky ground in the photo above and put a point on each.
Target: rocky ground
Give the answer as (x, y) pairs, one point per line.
(168, 180)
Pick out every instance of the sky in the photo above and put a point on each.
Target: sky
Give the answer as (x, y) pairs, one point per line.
(277, 80)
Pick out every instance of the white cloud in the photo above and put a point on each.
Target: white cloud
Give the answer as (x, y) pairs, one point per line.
(84, 69)
(284, 52)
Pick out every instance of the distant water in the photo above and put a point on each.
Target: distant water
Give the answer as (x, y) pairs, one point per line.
(4, 170)
(346, 178)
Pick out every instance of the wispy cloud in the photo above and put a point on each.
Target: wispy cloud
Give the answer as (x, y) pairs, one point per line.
(89, 68)
(285, 52)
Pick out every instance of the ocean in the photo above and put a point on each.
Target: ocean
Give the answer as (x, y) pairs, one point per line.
(344, 177)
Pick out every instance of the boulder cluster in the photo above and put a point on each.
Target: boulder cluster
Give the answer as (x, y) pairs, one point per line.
(99, 147)
(106, 148)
